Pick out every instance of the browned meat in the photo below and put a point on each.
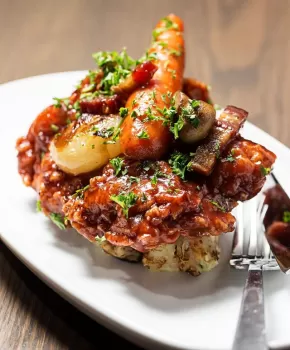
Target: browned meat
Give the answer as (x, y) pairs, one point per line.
(196, 90)
(157, 208)
(225, 129)
(54, 186)
(240, 173)
(101, 105)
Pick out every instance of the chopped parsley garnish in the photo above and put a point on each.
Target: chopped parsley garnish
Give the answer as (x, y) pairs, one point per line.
(158, 174)
(57, 220)
(134, 179)
(286, 216)
(134, 114)
(175, 52)
(178, 162)
(176, 127)
(144, 197)
(117, 164)
(80, 192)
(38, 206)
(123, 112)
(115, 66)
(134, 102)
(125, 201)
(230, 158)
(217, 149)
(265, 171)
(54, 127)
(58, 102)
(147, 165)
(173, 72)
(100, 240)
(103, 133)
(217, 107)
(154, 95)
(216, 204)
(143, 135)
(168, 25)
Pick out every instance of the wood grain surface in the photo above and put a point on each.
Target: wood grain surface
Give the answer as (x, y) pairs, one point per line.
(241, 48)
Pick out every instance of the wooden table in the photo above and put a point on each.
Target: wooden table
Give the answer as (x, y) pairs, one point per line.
(241, 48)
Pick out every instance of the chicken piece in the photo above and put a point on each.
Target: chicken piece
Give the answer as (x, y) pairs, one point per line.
(145, 205)
(54, 186)
(241, 172)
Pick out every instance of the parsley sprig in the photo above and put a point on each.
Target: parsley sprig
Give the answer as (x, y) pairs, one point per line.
(286, 216)
(58, 220)
(125, 201)
(178, 162)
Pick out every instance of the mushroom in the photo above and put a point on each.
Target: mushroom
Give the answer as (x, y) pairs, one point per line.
(198, 118)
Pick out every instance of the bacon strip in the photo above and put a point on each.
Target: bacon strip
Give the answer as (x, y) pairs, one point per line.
(144, 105)
(226, 128)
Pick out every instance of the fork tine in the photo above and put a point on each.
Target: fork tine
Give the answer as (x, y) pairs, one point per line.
(253, 243)
(239, 232)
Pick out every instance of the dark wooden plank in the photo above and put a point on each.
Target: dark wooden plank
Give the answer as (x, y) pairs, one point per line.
(241, 48)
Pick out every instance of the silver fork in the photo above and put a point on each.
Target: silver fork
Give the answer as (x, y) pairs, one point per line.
(251, 252)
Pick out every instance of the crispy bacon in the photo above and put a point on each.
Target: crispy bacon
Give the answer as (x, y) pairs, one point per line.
(101, 105)
(226, 128)
(165, 208)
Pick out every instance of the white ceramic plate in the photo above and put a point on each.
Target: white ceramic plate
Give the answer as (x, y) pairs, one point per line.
(155, 310)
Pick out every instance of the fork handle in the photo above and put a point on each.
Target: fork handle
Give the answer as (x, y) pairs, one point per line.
(250, 333)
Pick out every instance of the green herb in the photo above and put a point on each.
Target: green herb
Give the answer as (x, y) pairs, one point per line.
(217, 149)
(80, 192)
(286, 216)
(173, 72)
(68, 121)
(162, 44)
(117, 164)
(143, 135)
(158, 174)
(147, 165)
(134, 102)
(103, 133)
(54, 127)
(100, 240)
(154, 95)
(178, 162)
(163, 97)
(123, 112)
(125, 200)
(58, 102)
(175, 53)
(144, 197)
(115, 67)
(216, 204)
(57, 220)
(230, 158)
(134, 179)
(38, 206)
(265, 171)
(176, 127)
(88, 88)
(134, 114)
(168, 24)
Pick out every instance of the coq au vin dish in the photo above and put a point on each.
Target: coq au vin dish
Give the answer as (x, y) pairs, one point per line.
(140, 161)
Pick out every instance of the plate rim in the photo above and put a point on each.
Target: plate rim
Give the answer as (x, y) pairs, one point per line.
(116, 324)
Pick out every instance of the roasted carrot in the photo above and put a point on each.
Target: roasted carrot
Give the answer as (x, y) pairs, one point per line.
(145, 133)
